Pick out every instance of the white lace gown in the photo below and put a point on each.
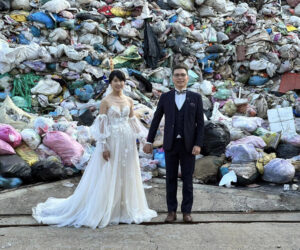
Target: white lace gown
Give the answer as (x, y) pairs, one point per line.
(110, 192)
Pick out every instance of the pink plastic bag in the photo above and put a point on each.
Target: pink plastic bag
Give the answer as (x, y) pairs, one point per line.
(256, 141)
(69, 150)
(10, 135)
(6, 149)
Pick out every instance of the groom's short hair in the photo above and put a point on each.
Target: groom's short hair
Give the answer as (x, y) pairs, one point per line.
(180, 66)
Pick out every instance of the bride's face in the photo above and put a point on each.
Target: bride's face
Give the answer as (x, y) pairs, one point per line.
(117, 84)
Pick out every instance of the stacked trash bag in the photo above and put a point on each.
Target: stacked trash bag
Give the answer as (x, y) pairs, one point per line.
(243, 58)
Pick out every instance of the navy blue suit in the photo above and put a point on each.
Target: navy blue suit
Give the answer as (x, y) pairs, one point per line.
(190, 127)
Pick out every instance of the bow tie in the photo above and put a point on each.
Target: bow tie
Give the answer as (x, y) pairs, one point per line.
(180, 92)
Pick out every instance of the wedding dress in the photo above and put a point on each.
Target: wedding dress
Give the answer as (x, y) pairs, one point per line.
(110, 192)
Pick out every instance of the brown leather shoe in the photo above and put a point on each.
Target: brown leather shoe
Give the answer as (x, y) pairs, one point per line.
(187, 218)
(171, 217)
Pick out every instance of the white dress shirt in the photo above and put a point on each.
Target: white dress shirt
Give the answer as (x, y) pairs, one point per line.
(179, 99)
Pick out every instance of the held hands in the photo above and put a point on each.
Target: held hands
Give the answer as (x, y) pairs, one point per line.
(106, 155)
(148, 148)
(196, 150)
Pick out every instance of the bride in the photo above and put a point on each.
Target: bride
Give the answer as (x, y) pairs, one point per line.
(110, 190)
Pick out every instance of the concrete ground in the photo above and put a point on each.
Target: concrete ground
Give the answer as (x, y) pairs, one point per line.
(236, 218)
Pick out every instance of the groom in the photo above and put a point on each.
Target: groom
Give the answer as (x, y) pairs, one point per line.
(183, 138)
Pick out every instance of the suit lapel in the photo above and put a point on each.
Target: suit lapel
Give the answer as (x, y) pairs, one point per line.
(187, 102)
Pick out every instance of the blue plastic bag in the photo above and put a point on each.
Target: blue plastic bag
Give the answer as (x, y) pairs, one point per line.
(159, 155)
(257, 80)
(42, 17)
(35, 31)
(85, 93)
(23, 40)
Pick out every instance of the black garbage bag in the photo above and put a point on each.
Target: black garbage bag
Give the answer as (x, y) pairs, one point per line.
(86, 118)
(163, 5)
(48, 171)
(145, 85)
(5, 5)
(88, 16)
(15, 166)
(216, 138)
(177, 45)
(287, 151)
(152, 50)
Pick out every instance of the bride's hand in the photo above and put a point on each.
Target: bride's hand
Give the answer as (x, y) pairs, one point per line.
(106, 155)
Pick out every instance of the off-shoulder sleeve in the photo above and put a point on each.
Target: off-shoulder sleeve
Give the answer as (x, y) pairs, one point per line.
(100, 131)
(138, 129)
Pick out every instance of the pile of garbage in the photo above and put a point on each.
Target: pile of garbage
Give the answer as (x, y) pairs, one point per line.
(56, 55)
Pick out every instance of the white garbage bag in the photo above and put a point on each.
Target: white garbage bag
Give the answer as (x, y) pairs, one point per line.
(31, 138)
(56, 6)
(47, 87)
(279, 171)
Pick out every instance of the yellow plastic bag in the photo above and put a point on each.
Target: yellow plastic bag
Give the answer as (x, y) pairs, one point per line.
(19, 16)
(120, 12)
(291, 28)
(27, 154)
(264, 161)
(14, 116)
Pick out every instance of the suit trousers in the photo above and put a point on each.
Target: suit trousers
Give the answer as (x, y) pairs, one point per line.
(177, 155)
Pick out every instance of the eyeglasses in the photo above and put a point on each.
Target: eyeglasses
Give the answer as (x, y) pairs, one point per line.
(179, 75)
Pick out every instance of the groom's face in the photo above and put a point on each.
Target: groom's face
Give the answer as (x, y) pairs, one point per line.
(180, 78)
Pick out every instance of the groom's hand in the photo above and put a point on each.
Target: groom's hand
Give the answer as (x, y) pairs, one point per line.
(106, 155)
(148, 148)
(196, 150)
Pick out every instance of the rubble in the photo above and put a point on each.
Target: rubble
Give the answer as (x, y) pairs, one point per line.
(55, 57)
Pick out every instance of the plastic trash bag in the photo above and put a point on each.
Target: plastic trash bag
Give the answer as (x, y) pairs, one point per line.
(14, 166)
(159, 155)
(43, 125)
(67, 148)
(185, 4)
(293, 139)
(241, 153)
(10, 182)
(56, 6)
(246, 172)
(6, 149)
(222, 94)
(256, 141)
(228, 178)
(31, 138)
(47, 87)
(249, 124)
(20, 5)
(85, 93)
(48, 171)
(216, 138)
(5, 5)
(44, 152)
(58, 34)
(287, 151)
(206, 168)
(27, 154)
(152, 50)
(10, 135)
(279, 171)
(14, 116)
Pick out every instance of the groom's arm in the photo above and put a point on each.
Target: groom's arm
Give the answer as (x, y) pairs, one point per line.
(158, 114)
(200, 122)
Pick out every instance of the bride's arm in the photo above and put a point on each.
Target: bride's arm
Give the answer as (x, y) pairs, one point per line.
(138, 128)
(100, 131)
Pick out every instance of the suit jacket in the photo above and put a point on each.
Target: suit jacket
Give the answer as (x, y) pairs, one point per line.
(193, 120)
